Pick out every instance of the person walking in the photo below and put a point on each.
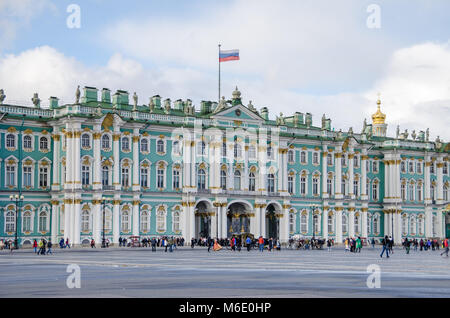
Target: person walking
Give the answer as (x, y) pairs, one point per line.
(385, 243)
(373, 243)
(391, 245)
(407, 245)
(40, 247)
(358, 245)
(67, 243)
(49, 247)
(329, 245)
(2, 245)
(248, 242)
(261, 244)
(92, 243)
(35, 246)
(446, 248)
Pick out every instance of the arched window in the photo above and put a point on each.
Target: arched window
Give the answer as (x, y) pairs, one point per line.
(291, 223)
(269, 152)
(176, 179)
(251, 182)
(357, 224)
(315, 185)
(303, 185)
(251, 152)
(315, 158)
(316, 223)
(144, 145)
(237, 150)
(344, 224)
(85, 141)
(10, 221)
(224, 149)
(329, 186)
(161, 220)
(144, 177)
(43, 221)
(375, 191)
(26, 222)
(11, 141)
(223, 179)
(237, 180)
(176, 147)
(356, 161)
(27, 142)
(176, 221)
(108, 220)
(125, 144)
(125, 177)
(201, 179)
(403, 191)
(304, 223)
(160, 177)
(105, 142)
(303, 157)
(356, 187)
(201, 148)
(420, 224)
(125, 221)
(330, 223)
(85, 175)
(105, 175)
(160, 146)
(43, 143)
(412, 225)
(271, 182)
(343, 186)
(411, 191)
(376, 224)
(145, 222)
(291, 156)
(403, 167)
(85, 221)
(291, 184)
(329, 159)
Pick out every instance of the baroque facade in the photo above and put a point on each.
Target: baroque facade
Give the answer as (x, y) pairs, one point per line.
(102, 164)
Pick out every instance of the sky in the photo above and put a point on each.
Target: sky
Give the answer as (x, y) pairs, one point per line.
(323, 57)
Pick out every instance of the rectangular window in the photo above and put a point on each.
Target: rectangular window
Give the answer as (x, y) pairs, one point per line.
(160, 180)
(43, 176)
(85, 175)
(27, 176)
(144, 177)
(10, 176)
(125, 177)
(375, 167)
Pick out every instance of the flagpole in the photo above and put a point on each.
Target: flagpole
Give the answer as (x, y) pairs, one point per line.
(219, 75)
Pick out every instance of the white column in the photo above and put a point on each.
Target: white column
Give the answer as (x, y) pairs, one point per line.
(136, 184)
(325, 224)
(351, 223)
(364, 194)
(77, 159)
(97, 222)
(187, 165)
(339, 226)
(116, 154)
(214, 224)
(116, 220)
(364, 223)
(246, 172)
(257, 232)
(67, 220)
(440, 182)
(387, 178)
(76, 224)
(263, 220)
(324, 172)
(224, 220)
(56, 161)
(97, 168)
(338, 179)
(351, 176)
(192, 221)
(284, 226)
(69, 161)
(185, 223)
(55, 217)
(136, 231)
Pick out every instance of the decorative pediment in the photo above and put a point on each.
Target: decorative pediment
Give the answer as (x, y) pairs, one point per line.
(239, 113)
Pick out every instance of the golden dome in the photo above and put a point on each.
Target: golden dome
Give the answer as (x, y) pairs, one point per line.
(378, 118)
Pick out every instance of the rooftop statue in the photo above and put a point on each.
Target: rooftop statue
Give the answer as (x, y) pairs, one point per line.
(427, 134)
(339, 134)
(151, 105)
(397, 132)
(251, 107)
(438, 143)
(36, 101)
(77, 95)
(222, 105)
(405, 134)
(413, 135)
(135, 101)
(364, 126)
(421, 136)
(308, 121)
(167, 105)
(350, 131)
(280, 120)
(2, 96)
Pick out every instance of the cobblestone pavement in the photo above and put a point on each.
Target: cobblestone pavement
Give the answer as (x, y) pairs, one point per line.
(137, 272)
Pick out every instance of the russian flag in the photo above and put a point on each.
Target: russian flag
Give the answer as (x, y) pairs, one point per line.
(229, 55)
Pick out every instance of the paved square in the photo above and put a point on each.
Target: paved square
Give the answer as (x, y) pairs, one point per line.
(137, 272)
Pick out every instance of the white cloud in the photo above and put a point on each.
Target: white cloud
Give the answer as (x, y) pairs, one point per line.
(18, 14)
(414, 87)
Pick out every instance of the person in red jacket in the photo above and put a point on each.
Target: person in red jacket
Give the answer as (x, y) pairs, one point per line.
(35, 246)
(446, 248)
(261, 243)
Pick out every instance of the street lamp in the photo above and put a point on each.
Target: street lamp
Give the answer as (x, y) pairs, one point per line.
(104, 201)
(17, 198)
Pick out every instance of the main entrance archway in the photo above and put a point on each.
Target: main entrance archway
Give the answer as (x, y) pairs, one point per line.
(203, 213)
(273, 221)
(238, 219)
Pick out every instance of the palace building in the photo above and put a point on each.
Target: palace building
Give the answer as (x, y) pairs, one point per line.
(103, 165)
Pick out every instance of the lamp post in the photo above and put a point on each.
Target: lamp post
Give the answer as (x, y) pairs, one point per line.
(16, 198)
(104, 201)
